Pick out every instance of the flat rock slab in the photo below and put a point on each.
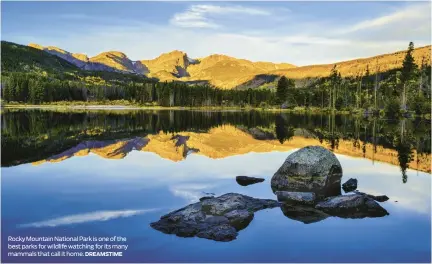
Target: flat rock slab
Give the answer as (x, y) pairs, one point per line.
(307, 198)
(218, 218)
(351, 206)
(246, 180)
(378, 198)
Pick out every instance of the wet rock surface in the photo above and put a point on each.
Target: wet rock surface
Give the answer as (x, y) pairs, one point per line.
(219, 218)
(351, 206)
(378, 198)
(307, 198)
(246, 180)
(301, 213)
(350, 185)
(310, 169)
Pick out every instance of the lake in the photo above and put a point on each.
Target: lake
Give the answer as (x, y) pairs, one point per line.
(112, 173)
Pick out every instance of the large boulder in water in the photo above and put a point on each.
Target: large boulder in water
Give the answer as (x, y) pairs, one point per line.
(310, 169)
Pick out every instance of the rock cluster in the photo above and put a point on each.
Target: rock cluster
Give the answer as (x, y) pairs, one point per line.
(307, 187)
(215, 218)
(309, 184)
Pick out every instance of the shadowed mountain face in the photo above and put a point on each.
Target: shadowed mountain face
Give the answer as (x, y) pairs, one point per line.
(110, 149)
(47, 136)
(224, 71)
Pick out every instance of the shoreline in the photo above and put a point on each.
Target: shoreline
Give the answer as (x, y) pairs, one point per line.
(136, 107)
(122, 107)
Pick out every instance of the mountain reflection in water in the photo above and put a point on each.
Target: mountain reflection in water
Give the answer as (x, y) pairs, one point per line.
(47, 136)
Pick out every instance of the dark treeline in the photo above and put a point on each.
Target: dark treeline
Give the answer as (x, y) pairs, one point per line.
(392, 92)
(35, 89)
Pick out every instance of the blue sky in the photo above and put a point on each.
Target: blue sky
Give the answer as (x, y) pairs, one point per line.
(295, 32)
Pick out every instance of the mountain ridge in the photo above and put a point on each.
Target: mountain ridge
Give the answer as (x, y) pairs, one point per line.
(228, 72)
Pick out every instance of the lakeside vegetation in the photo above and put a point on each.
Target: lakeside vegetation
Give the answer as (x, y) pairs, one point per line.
(393, 93)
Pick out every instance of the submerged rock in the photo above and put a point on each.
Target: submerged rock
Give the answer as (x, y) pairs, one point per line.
(310, 169)
(351, 206)
(305, 214)
(246, 180)
(350, 185)
(378, 198)
(218, 218)
(307, 198)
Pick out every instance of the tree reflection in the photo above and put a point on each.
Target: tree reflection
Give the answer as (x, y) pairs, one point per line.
(29, 136)
(282, 130)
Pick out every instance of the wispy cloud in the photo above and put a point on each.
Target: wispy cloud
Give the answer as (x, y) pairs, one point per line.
(406, 15)
(87, 217)
(301, 39)
(200, 16)
(190, 192)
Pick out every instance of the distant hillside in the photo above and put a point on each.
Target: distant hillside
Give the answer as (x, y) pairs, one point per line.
(228, 72)
(15, 57)
(219, 70)
(380, 63)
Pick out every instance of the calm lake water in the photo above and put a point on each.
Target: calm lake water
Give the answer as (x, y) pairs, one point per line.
(104, 173)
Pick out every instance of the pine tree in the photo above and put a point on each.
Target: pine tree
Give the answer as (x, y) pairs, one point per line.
(282, 90)
(408, 72)
(408, 65)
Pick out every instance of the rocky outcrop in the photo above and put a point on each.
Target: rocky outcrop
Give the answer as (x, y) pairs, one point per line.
(113, 61)
(350, 185)
(246, 180)
(77, 59)
(218, 218)
(306, 198)
(310, 169)
(351, 206)
(168, 66)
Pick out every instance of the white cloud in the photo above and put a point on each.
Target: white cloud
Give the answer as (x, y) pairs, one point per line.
(197, 16)
(87, 217)
(298, 43)
(191, 192)
(406, 15)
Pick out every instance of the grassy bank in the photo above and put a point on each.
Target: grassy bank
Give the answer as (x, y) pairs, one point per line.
(128, 105)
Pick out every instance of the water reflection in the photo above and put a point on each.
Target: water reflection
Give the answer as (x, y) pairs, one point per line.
(87, 217)
(40, 136)
(32, 194)
(305, 214)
